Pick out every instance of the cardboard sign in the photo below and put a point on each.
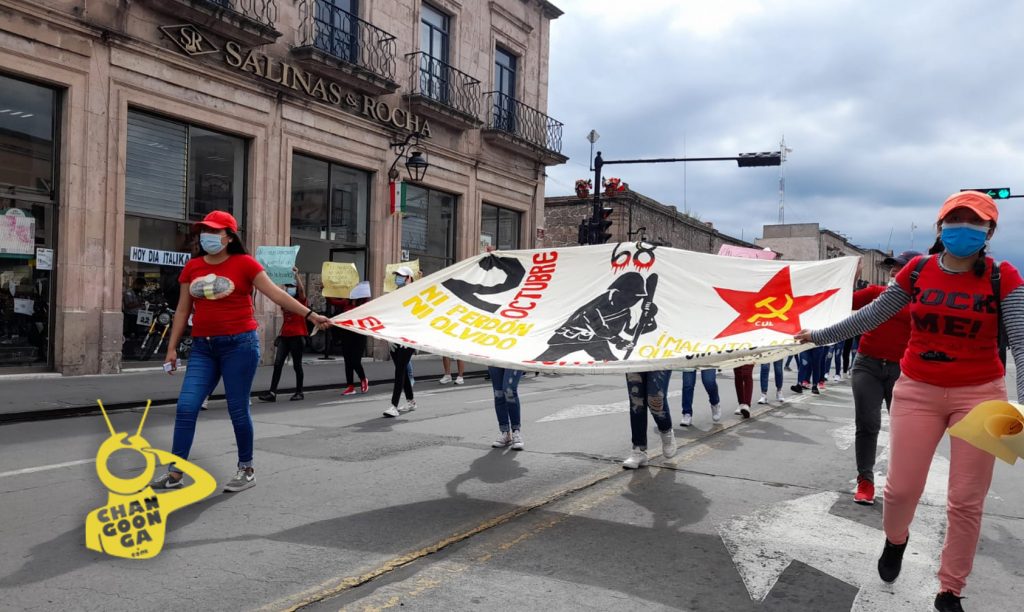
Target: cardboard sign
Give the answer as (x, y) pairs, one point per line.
(158, 258)
(278, 262)
(339, 278)
(624, 307)
(389, 273)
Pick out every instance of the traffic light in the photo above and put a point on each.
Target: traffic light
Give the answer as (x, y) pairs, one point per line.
(996, 193)
(584, 233)
(599, 233)
(768, 158)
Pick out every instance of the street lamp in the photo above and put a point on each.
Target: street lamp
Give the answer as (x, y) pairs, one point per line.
(416, 164)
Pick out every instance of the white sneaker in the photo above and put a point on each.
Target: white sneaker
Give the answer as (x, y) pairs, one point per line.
(517, 440)
(504, 439)
(745, 411)
(778, 396)
(447, 378)
(392, 412)
(668, 443)
(636, 459)
(836, 378)
(763, 400)
(687, 420)
(409, 406)
(459, 380)
(716, 413)
(738, 412)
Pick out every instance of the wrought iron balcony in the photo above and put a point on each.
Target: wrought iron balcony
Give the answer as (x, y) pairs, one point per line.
(339, 44)
(249, 22)
(511, 121)
(443, 92)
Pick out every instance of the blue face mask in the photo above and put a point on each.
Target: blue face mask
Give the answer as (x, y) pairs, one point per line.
(211, 243)
(400, 281)
(291, 291)
(963, 239)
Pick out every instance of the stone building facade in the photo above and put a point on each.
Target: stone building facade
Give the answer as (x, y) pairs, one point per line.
(810, 242)
(634, 216)
(122, 122)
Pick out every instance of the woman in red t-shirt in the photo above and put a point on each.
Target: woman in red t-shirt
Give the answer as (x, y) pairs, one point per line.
(951, 364)
(291, 340)
(219, 284)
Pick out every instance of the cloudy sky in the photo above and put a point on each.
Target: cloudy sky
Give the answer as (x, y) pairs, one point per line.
(887, 107)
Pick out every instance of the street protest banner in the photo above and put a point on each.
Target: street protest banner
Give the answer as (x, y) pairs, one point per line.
(339, 278)
(730, 250)
(389, 273)
(611, 308)
(278, 262)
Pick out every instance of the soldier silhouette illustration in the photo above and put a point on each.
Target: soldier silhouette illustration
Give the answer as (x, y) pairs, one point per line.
(606, 320)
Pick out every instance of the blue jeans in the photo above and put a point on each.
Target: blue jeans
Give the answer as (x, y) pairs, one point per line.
(811, 363)
(505, 383)
(832, 353)
(233, 358)
(778, 376)
(648, 391)
(710, 382)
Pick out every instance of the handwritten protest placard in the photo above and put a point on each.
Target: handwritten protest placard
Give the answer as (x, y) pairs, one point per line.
(339, 278)
(389, 273)
(278, 262)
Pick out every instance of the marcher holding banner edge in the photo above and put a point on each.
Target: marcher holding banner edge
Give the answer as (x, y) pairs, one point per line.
(957, 299)
(219, 285)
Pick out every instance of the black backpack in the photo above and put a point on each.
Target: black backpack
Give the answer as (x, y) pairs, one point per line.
(995, 291)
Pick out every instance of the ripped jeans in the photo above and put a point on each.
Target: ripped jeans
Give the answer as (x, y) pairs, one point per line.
(648, 391)
(505, 383)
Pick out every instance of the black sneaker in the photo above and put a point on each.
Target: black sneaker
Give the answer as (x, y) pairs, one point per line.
(815, 391)
(297, 396)
(891, 561)
(948, 602)
(797, 388)
(268, 396)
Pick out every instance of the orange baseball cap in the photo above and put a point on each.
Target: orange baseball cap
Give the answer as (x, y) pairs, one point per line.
(980, 203)
(218, 219)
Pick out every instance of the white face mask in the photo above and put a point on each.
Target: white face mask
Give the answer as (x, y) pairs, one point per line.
(292, 291)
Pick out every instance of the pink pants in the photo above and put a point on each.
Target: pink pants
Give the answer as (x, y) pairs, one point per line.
(920, 415)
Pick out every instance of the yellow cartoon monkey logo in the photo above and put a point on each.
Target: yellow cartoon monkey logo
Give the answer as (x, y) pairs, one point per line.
(133, 523)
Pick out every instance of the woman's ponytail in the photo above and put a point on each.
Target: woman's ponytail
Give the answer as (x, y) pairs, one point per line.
(938, 247)
(979, 263)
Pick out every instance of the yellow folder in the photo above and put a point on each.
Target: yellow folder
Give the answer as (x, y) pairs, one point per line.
(996, 427)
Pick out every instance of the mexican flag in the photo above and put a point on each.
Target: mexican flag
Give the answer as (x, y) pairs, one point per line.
(399, 192)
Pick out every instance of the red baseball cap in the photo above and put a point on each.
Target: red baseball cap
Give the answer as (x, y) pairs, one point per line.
(980, 203)
(218, 219)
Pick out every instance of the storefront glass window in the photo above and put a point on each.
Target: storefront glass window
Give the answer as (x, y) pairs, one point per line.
(27, 142)
(28, 258)
(428, 228)
(329, 222)
(175, 174)
(499, 228)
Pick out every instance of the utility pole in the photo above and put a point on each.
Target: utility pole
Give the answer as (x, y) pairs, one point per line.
(782, 179)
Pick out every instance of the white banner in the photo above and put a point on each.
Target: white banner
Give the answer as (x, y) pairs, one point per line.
(157, 257)
(611, 308)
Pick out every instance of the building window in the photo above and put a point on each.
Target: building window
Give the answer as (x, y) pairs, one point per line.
(434, 30)
(428, 228)
(337, 28)
(505, 84)
(175, 174)
(28, 212)
(329, 219)
(499, 228)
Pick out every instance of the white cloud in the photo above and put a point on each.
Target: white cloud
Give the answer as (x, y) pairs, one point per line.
(888, 108)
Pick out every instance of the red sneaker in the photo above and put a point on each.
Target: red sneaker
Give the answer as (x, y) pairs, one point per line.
(865, 494)
(364, 385)
(349, 390)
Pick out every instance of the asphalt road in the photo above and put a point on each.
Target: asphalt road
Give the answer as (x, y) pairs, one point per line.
(355, 511)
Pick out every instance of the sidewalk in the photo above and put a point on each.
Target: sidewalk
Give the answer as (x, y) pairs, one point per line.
(41, 396)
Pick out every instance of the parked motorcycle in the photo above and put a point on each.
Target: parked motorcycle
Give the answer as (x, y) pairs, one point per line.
(159, 330)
